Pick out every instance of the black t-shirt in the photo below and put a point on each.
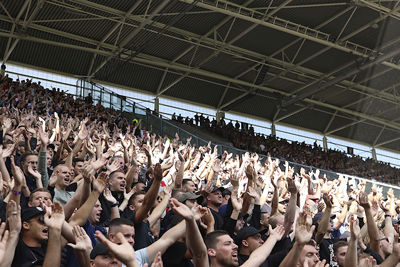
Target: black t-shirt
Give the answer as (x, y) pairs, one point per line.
(28, 256)
(105, 216)
(143, 235)
(326, 250)
(175, 256)
(219, 221)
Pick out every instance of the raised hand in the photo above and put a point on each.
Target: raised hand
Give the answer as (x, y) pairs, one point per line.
(250, 172)
(109, 197)
(3, 240)
(17, 173)
(236, 202)
(100, 183)
(234, 178)
(276, 233)
(292, 188)
(33, 172)
(5, 153)
(55, 218)
(208, 218)
(123, 250)
(44, 138)
(363, 200)
(303, 232)
(253, 193)
(14, 217)
(82, 240)
(217, 166)
(327, 200)
(129, 194)
(157, 261)
(354, 228)
(158, 172)
(181, 209)
(112, 167)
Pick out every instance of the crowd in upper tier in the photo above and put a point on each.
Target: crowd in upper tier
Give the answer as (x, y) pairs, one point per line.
(242, 136)
(80, 185)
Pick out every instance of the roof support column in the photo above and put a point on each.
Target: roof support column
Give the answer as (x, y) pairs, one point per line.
(373, 152)
(325, 143)
(273, 129)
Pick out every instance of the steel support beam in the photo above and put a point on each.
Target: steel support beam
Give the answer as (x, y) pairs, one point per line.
(387, 142)
(14, 24)
(192, 36)
(164, 64)
(25, 25)
(276, 23)
(118, 24)
(224, 45)
(124, 42)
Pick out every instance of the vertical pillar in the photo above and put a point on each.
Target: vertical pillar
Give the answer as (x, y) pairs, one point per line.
(218, 116)
(273, 129)
(325, 143)
(373, 151)
(157, 105)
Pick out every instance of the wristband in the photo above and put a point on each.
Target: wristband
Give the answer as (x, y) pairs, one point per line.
(387, 215)
(16, 192)
(116, 204)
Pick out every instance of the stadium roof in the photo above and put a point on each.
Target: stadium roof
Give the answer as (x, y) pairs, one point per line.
(324, 65)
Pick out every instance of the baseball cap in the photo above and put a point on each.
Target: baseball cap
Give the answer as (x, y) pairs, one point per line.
(191, 196)
(31, 212)
(318, 217)
(283, 200)
(99, 249)
(215, 188)
(247, 231)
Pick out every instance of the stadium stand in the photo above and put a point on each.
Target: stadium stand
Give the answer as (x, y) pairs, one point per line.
(94, 179)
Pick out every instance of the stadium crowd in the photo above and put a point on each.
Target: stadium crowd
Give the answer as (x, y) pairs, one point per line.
(83, 186)
(242, 136)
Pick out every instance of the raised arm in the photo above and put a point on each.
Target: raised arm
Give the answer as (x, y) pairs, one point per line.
(42, 159)
(179, 174)
(351, 254)
(81, 215)
(258, 256)
(150, 196)
(169, 238)
(160, 208)
(371, 225)
(54, 220)
(303, 236)
(292, 206)
(14, 226)
(194, 239)
(324, 223)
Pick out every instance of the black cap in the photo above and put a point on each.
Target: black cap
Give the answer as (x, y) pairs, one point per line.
(215, 188)
(99, 249)
(191, 196)
(318, 217)
(247, 231)
(243, 215)
(31, 212)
